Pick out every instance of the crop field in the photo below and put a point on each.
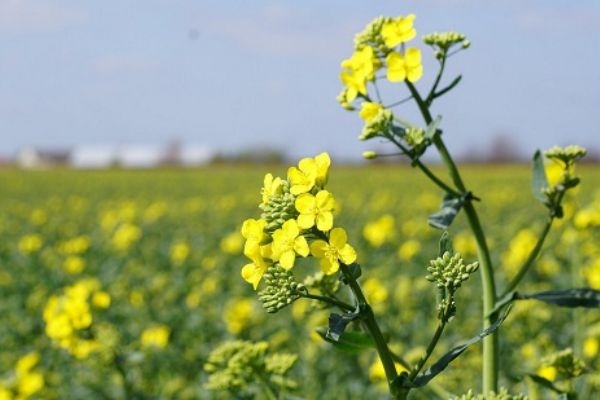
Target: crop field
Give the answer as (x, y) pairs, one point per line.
(145, 265)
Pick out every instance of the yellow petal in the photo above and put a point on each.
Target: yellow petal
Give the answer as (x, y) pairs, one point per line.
(252, 274)
(305, 203)
(338, 238)
(287, 259)
(318, 248)
(324, 221)
(347, 254)
(290, 228)
(301, 246)
(329, 267)
(396, 67)
(306, 221)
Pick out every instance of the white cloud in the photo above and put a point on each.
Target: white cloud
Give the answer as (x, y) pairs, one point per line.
(35, 16)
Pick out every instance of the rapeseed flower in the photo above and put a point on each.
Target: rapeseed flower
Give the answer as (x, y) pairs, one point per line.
(358, 69)
(369, 110)
(398, 30)
(287, 243)
(310, 172)
(331, 253)
(316, 210)
(156, 336)
(253, 232)
(404, 67)
(29, 244)
(271, 187)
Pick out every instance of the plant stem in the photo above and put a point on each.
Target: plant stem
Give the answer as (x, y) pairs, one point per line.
(368, 319)
(490, 342)
(328, 300)
(529, 262)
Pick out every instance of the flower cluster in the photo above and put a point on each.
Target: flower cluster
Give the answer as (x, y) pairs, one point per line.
(382, 44)
(68, 316)
(297, 221)
(26, 381)
(236, 365)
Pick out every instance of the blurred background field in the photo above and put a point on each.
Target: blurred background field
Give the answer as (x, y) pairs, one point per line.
(158, 251)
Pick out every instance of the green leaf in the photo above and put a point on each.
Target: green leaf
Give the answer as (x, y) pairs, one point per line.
(539, 181)
(445, 244)
(544, 382)
(441, 364)
(584, 297)
(451, 205)
(433, 127)
(349, 342)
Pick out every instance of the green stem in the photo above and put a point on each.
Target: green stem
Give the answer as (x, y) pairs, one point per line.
(490, 342)
(328, 300)
(368, 319)
(529, 262)
(431, 94)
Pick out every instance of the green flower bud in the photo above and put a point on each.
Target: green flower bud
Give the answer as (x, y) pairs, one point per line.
(502, 395)
(567, 365)
(370, 155)
(280, 208)
(449, 272)
(378, 125)
(371, 35)
(568, 155)
(281, 289)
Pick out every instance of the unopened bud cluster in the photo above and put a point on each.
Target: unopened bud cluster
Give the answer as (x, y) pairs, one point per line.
(379, 125)
(449, 271)
(327, 285)
(568, 155)
(234, 366)
(567, 365)
(445, 40)
(281, 289)
(371, 35)
(279, 209)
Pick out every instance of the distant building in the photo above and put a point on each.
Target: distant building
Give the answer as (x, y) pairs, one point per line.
(33, 158)
(93, 157)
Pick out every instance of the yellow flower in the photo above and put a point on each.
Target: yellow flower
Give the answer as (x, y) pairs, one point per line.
(375, 291)
(253, 232)
(519, 248)
(253, 272)
(310, 172)
(74, 264)
(5, 394)
(101, 299)
(398, 30)
(369, 110)
(179, 252)
(156, 336)
(590, 347)
(315, 209)
(409, 249)
(287, 242)
(29, 384)
(238, 314)
(330, 254)
(30, 243)
(125, 236)
(359, 68)
(548, 373)
(379, 231)
(26, 363)
(407, 67)
(271, 187)
(232, 243)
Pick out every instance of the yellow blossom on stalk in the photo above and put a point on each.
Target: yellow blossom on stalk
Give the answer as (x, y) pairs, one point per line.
(101, 299)
(369, 110)
(315, 210)
(271, 187)
(232, 243)
(398, 30)
(253, 232)
(253, 272)
(287, 242)
(310, 172)
(27, 362)
(330, 254)
(29, 384)
(407, 67)
(409, 249)
(358, 69)
(125, 236)
(74, 264)
(519, 249)
(155, 336)
(590, 347)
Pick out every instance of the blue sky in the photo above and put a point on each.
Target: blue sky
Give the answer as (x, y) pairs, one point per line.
(236, 74)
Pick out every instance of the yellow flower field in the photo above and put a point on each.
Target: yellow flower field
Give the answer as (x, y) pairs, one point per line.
(119, 284)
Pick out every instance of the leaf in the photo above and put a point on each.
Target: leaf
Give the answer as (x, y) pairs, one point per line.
(584, 297)
(349, 342)
(544, 382)
(451, 205)
(450, 356)
(433, 127)
(338, 323)
(539, 181)
(445, 244)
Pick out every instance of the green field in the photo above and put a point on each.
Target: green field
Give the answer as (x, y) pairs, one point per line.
(164, 250)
